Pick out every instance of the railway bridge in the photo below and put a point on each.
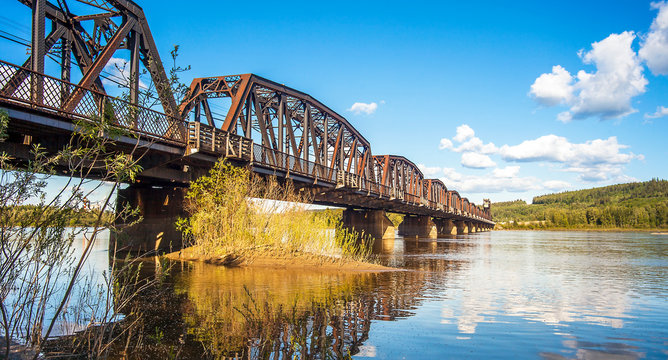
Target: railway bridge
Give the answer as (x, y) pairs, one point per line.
(271, 128)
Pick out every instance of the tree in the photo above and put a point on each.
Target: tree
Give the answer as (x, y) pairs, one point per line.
(38, 268)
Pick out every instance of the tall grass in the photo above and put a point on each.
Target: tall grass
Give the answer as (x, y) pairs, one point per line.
(231, 216)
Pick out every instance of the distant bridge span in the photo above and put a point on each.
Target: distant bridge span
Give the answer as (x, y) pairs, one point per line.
(272, 128)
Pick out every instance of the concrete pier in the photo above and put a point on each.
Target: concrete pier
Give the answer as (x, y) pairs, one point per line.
(445, 227)
(418, 226)
(462, 227)
(372, 222)
(159, 208)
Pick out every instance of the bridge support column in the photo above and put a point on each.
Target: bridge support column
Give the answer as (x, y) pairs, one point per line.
(473, 227)
(372, 222)
(445, 227)
(420, 226)
(462, 227)
(159, 208)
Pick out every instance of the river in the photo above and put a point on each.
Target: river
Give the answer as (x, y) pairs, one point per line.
(512, 294)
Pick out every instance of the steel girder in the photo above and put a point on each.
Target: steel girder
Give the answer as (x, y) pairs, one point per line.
(286, 122)
(454, 200)
(400, 175)
(465, 205)
(121, 25)
(435, 191)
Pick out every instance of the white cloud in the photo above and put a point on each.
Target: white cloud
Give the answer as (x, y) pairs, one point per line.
(360, 107)
(661, 111)
(119, 71)
(605, 93)
(445, 144)
(556, 185)
(463, 132)
(468, 142)
(474, 144)
(654, 48)
(554, 88)
(488, 183)
(452, 174)
(601, 173)
(477, 161)
(555, 148)
(429, 171)
(507, 172)
(594, 160)
(497, 181)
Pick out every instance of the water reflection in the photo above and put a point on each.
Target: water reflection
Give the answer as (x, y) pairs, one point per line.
(512, 294)
(259, 311)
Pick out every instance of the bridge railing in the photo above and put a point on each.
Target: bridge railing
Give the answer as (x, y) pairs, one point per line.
(209, 139)
(24, 87)
(292, 164)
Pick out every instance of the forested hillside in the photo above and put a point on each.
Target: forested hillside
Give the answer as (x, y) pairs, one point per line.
(633, 205)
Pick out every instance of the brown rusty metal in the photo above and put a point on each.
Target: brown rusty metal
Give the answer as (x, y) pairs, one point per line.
(435, 191)
(284, 120)
(123, 23)
(401, 175)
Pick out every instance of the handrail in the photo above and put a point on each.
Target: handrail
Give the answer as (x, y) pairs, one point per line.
(55, 93)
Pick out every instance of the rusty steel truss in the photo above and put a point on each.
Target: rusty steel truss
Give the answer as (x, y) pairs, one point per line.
(275, 129)
(290, 132)
(294, 130)
(400, 175)
(117, 25)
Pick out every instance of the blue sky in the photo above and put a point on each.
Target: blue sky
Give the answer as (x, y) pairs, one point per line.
(499, 100)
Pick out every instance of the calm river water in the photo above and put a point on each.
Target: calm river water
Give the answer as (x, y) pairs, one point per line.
(528, 294)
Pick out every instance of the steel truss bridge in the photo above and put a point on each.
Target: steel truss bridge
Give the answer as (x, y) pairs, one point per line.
(272, 128)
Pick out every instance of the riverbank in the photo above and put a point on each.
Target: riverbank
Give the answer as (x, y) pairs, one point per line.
(272, 258)
(652, 231)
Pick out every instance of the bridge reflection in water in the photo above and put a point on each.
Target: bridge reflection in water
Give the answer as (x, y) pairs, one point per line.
(269, 312)
(533, 293)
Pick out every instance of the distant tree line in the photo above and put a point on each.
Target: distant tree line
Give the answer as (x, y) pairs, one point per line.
(24, 215)
(633, 205)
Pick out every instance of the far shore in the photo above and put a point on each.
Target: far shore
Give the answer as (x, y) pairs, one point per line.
(652, 231)
(280, 261)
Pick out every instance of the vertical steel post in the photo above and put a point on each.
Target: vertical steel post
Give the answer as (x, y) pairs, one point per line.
(134, 76)
(65, 70)
(38, 50)
(306, 125)
(134, 67)
(248, 128)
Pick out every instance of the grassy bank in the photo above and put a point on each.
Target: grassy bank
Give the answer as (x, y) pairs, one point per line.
(231, 223)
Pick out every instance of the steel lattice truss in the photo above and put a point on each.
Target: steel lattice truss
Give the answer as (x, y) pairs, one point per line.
(435, 192)
(267, 123)
(399, 174)
(454, 200)
(289, 124)
(296, 132)
(120, 25)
